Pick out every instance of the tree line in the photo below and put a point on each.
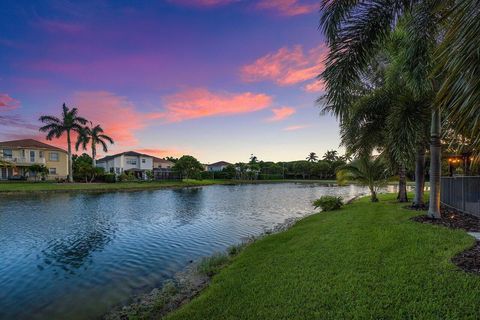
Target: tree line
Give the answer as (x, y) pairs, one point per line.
(401, 77)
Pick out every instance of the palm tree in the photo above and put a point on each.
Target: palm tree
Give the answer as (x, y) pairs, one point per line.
(312, 157)
(356, 38)
(68, 122)
(95, 136)
(330, 156)
(369, 172)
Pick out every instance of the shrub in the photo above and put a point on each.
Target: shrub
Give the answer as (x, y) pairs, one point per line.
(212, 265)
(127, 177)
(235, 249)
(109, 178)
(328, 203)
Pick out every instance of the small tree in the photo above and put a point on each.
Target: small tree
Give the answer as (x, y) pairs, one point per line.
(188, 167)
(83, 168)
(369, 172)
(39, 170)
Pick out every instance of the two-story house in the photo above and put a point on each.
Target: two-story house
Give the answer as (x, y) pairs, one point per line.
(129, 161)
(217, 166)
(20, 155)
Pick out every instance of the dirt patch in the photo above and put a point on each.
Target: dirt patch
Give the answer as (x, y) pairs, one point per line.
(453, 219)
(468, 260)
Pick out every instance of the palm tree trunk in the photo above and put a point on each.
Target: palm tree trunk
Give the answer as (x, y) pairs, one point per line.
(402, 184)
(94, 154)
(70, 164)
(435, 166)
(419, 178)
(373, 194)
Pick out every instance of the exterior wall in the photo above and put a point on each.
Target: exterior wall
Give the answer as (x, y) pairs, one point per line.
(24, 158)
(216, 168)
(163, 164)
(122, 163)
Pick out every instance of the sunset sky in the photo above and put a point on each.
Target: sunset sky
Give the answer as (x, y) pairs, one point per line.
(217, 79)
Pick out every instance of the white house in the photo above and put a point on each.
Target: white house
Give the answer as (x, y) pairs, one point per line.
(129, 161)
(217, 166)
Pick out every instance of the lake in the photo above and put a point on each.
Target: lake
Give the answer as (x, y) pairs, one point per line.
(75, 255)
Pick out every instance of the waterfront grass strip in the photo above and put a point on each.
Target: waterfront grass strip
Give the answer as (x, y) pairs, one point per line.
(365, 261)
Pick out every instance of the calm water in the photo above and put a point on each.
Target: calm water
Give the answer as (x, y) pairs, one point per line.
(73, 256)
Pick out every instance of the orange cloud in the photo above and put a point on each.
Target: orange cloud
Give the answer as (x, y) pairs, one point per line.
(315, 86)
(295, 128)
(287, 7)
(203, 3)
(116, 114)
(281, 113)
(287, 66)
(199, 103)
(7, 102)
(161, 153)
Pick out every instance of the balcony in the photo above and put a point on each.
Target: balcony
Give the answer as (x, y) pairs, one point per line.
(23, 161)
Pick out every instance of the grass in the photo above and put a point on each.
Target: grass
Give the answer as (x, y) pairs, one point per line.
(365, 261)
(16, 187)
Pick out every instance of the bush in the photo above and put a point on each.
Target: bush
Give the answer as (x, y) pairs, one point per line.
(109, 178)
(212, 265)
(328, 203)
(127, 177)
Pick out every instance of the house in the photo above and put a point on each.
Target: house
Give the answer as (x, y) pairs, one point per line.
(217, 166)
(21, 154)
(130, 161)
(162, 163)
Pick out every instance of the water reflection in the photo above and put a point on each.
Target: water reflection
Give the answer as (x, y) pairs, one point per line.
(72, 256)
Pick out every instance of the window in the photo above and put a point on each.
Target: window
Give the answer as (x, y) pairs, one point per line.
(23, 153)
(111, 170)
(117, 170)
(143, 160)
(7, 153)
(132, 162)
(32, 156)
(52, 170)
(40, 154)
(53, 156)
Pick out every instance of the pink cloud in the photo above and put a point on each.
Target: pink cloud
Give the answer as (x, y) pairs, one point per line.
(295, 128)
(203, 3)
(315, 86)
(161, 153)
(199, 103)
(7, 102)
(287, 7)
(60, 26)
(287, 66)
(117, 115)
(281, 113)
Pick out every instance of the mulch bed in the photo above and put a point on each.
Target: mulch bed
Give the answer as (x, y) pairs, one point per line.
(468, 260)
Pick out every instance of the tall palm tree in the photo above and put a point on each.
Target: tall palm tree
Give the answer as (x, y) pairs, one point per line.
(357, 31)
(312, 157)
(369, 172)
(95, 136)
(68, 123)
(330, 155)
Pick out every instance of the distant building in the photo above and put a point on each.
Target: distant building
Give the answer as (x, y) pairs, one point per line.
(21, 154)
(162, 163)
(129, 161)
(217, 166)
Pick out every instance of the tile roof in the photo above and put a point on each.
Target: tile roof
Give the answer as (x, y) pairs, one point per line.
(28, 143)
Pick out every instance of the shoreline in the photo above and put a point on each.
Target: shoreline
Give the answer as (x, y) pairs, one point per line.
(188, 283)
(46, 187)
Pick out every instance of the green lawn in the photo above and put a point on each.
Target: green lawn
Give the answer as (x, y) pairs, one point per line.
(14, 187)
(367, 261)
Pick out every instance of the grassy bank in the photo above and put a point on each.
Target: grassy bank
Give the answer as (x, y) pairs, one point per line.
(19, 187)
(365, 261)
